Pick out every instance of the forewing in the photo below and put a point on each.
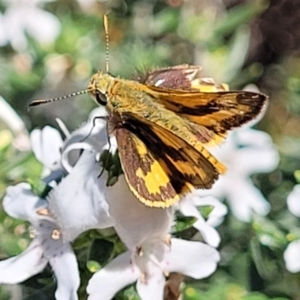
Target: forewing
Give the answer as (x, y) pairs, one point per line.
(217, 111)
(159, 166)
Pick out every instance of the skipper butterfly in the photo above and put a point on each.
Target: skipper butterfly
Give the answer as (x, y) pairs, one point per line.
(164, 124)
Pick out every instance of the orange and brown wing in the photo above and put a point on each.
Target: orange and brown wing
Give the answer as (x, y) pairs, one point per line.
(176, 77)
(159, 166)
(217, 111)
(182, 77)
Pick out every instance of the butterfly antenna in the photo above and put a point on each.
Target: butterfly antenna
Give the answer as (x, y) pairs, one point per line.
(105, 22)
(43, 101)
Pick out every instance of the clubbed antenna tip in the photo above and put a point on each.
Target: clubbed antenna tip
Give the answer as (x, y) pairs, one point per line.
(105, 22)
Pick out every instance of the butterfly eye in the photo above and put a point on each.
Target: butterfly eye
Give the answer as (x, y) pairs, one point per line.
(101, 99)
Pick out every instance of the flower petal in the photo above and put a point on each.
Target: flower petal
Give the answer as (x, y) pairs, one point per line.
(256, 160)
(209, 234)
(46, 144)
(61, 257)
(293, 201)
(77, 202)
(292, 257)
(139, 223)
(153, 287)
(27, 264)
(193, 259)
(255, 151)
(66, 271)
(20, 203)
(245, 198)
(113, 277)
(253, 138)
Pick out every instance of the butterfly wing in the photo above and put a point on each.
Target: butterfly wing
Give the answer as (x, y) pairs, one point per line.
(159, 166)
(182, 77)
(176, 77)
(217, 111)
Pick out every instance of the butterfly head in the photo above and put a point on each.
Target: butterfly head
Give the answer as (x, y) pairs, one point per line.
(98, 87)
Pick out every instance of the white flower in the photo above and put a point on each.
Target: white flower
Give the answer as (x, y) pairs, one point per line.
(57, 156)
(246, 151)
(75, 204)
(152, 254)
(46, 247)
(144, 231)
(149, 264)
(24, 16)
(78, 202)
(188, 207)
(46, 146)
(292, 253)
(78, 199)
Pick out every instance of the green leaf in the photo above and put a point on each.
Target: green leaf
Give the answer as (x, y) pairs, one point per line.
(183, 223)
(205, 210)
(101, 251)
(128, 294)
(268, 233)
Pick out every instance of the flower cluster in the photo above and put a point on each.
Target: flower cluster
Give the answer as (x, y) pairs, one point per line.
(80, 200)
(88, 191)
(80, 197)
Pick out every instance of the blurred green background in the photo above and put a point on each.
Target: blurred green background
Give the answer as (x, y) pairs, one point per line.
(236, 41)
